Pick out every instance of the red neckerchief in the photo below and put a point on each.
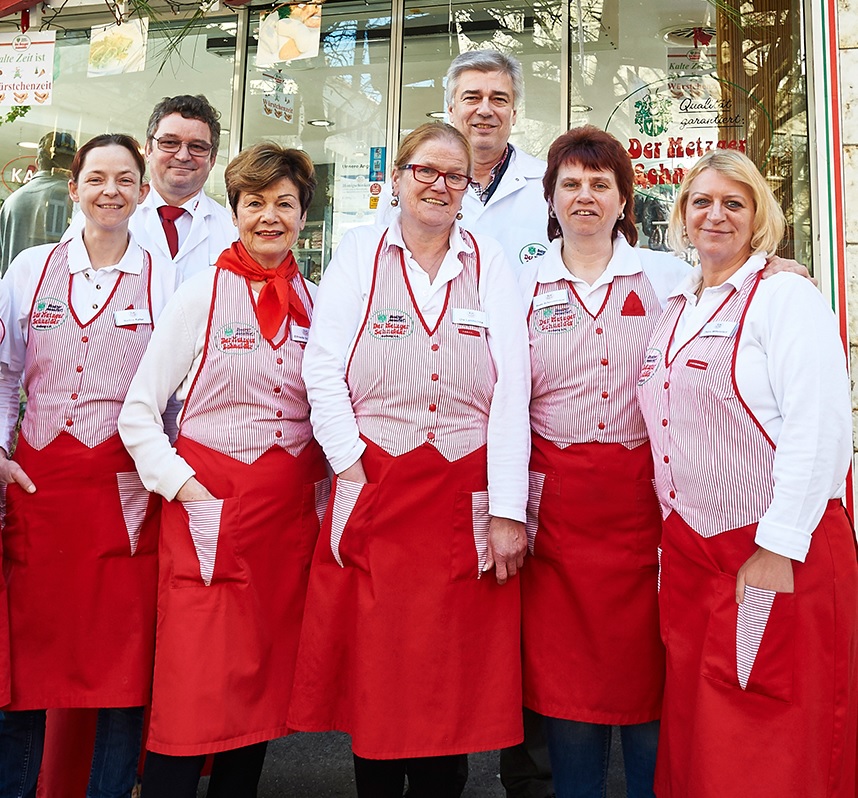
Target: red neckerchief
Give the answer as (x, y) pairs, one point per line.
(277, 299)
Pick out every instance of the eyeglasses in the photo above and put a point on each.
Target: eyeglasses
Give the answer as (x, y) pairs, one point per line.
(167, 144)
(428, 175)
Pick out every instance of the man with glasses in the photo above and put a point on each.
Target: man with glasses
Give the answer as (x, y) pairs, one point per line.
(178, 219)
(504, 201)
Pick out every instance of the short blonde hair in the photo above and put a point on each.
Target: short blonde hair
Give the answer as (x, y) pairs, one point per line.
(769, 222)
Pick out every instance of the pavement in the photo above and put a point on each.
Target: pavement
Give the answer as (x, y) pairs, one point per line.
(320, 766)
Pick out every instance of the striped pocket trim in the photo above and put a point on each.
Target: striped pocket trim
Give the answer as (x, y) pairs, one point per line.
(751, 622)
(345, 499)
(204, 525)
(134, 499)
(536, 482)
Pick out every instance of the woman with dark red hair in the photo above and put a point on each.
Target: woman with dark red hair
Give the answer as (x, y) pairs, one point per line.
(592, 654)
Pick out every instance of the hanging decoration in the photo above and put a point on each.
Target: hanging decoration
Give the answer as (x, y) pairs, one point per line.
(118, 48)
(26, 68)
(280, 103)
(289, 33)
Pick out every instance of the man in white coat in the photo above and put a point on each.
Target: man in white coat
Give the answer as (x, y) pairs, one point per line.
(484, 88)
(178, 220)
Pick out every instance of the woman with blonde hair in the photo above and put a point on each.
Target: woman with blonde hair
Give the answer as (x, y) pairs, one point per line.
(746, 399)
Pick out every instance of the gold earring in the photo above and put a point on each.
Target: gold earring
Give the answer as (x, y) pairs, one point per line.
(394, 200)
(459, 216)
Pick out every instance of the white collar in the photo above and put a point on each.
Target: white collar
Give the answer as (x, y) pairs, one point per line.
(690, 285)
(130, 263)
(191, 206)
(624, 261)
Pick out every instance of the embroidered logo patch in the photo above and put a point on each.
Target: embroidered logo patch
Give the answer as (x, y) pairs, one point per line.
(556, 319)
(390, 324)
(652, 361)
(48, 313)
(531, 252)
(237, 338)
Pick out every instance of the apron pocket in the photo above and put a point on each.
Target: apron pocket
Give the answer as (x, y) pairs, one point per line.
(536, 482)
(470, 545)
(750, 646)
(134, 499)
(208, 555)
(351, 513)
(315, 496)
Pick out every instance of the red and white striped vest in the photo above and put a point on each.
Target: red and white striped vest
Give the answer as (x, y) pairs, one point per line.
(411, 385)
(247, 395)
(716, 469)
(584, 368)
(76, 375)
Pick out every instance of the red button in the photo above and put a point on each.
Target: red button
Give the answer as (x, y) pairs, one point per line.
(604, 394)
(277, 389)
(673, 494)
(430, 436)
(604, 361)
(664, 422)
(74, 396)
(278, 434)
(435, 347)
(666, 459)
(432, 408)
(434, 378)
(666, 386)
(601, 425)
(279, 414)
(85, 339)
(599, 330)
(69, 422)
(279, 361)
(79, 369)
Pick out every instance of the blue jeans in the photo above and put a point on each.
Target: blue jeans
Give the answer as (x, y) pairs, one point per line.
(114, 759)
(579, 757)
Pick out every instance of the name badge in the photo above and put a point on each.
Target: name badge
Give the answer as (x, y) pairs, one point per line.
(127, 318)
(300, 334)
(475, 318)
(719, 329)
(551, 298)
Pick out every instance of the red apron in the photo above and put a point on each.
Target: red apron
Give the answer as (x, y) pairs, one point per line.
(80, 557)
(405, 645)
(81, 608)
(594, 566)
(792, 730)
(225, 651)
(761, 699)
(233, 571)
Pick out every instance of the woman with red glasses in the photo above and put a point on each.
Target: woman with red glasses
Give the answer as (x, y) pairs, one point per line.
(417, 375)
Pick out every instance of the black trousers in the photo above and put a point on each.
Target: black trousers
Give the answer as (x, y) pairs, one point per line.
(235, 774)
(428, 777)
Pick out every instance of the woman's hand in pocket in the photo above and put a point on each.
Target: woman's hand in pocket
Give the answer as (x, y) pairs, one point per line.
(194, 491)
(766, 570)
(354, 473)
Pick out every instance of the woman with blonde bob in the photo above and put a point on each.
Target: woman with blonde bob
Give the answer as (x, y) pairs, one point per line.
(746, 399)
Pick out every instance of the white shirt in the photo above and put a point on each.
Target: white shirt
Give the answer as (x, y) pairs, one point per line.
(90, 289)
(205, 231)
(340, 308)
(663, 270)
(516, 214)
(169, 366)
(791, 373)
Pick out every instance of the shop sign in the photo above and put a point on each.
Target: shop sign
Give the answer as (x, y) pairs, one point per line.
(26, 68)
(18, 171)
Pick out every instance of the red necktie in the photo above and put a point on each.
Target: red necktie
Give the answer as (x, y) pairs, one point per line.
(168, 215)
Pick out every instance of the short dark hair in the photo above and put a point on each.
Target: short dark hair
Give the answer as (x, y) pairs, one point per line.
(105, 140)
(190, 107)
(265, 163)
(593, 148)
(56, 149)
